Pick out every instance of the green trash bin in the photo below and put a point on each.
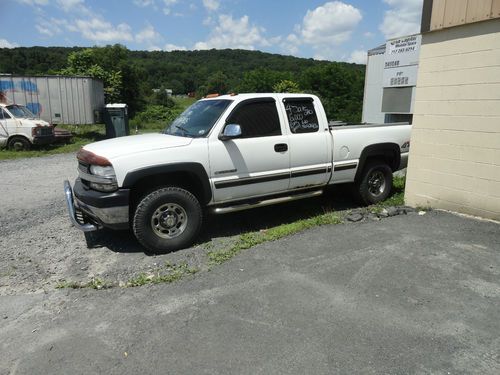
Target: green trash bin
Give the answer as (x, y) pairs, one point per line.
(116, 120)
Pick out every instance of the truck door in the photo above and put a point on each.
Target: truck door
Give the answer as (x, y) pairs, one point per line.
(257, 163)
(310, 144)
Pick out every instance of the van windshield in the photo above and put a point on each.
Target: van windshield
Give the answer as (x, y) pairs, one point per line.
(198, 119)
(20, 111)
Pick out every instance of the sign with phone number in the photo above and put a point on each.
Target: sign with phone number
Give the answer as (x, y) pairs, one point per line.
(401, 61)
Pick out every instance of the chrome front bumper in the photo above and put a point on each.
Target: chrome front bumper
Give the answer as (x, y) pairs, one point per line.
(86, 227)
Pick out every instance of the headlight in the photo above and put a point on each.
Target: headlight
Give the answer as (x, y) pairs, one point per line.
(98, 170)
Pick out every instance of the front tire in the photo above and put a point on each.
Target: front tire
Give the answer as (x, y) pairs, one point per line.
(167, 219)
(18, 144)
(375, 183)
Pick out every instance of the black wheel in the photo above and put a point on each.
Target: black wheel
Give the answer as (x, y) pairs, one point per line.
(167, 219)
(375, 183)
(18, 144)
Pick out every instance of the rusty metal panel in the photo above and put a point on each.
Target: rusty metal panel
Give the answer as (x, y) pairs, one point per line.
(437, 17)
(478, 10)
(454, 13)
(56, 99)
(495, 9)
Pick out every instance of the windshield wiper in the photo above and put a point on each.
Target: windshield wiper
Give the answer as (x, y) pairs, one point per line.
(186, 132)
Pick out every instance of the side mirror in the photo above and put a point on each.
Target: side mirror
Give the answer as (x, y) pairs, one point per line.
(231, 131)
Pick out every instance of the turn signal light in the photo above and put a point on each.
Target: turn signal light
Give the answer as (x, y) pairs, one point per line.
(88, 157)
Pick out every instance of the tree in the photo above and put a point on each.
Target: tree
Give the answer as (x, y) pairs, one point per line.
(217, 83)
(286, 86)
(84, 63)
(261, 80)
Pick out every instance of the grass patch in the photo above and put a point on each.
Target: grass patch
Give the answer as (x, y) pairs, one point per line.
(397, 197)
(95, 283)
(248, 240)
(167, 274)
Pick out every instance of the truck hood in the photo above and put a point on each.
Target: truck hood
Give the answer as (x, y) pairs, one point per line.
(116, 147)
(27, 122)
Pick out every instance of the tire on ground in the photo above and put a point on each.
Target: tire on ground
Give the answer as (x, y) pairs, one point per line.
(375, 183)
(18, 143)
(167, 219)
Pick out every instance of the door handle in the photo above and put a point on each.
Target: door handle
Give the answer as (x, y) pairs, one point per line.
(280, 147)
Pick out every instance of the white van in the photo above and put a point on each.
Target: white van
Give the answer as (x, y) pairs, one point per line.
(20, 129)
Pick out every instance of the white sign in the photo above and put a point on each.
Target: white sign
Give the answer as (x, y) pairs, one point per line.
(401, 61)
(401, 77)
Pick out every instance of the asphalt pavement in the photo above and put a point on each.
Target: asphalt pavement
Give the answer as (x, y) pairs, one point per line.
(409, 294)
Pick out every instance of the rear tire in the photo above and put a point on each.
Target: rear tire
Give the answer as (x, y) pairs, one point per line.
(167, 219)
(375, 183)
(18, 144)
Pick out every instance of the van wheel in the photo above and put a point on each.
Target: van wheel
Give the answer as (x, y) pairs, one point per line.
(167, 219)
(18, 144)
(375, 183)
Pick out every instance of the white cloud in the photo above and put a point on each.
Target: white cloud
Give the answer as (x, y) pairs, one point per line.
(403, 18)
(234, 33)
(99, 30)
(72, 5)
(4, 43)
(168, 5)
(147, 35)
(331, 23)
(368, 34)
(358, 56)
(211, 5)
(144, 3)
(324, 28)
(33, 2)
(48, 27)
(173, 47)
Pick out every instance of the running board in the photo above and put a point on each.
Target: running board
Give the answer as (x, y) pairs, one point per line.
(268, 202)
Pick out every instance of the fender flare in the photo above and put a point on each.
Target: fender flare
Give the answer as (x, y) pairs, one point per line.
(388, 151)
(196, 170)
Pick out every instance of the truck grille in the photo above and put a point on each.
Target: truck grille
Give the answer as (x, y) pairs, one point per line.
(46, 131)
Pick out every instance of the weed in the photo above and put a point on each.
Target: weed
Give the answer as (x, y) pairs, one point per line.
(251, 239)
(169, 273)
(95, 283)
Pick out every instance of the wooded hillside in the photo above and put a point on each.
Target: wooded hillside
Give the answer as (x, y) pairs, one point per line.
(135, 73)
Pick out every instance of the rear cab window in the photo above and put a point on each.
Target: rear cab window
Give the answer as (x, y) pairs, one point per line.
(301, 115)
(257, 118)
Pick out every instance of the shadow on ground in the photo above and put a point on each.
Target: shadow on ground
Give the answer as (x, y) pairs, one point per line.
(337, 198)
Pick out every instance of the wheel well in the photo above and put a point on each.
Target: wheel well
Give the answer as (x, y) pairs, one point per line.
(386, 152)
(18, 136)
(185, 180)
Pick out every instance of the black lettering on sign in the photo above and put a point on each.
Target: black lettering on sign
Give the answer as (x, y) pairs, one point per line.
(301, 115)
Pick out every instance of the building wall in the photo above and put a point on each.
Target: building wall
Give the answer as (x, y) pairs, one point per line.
(372, 100)
(455, 143)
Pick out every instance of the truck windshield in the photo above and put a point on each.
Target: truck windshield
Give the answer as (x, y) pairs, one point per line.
(198, 119)
(20, 111)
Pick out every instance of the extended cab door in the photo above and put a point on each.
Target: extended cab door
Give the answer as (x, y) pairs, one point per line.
(255, 164)
(310, 142)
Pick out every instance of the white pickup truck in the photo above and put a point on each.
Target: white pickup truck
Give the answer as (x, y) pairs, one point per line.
(20, 129)
(224, 154)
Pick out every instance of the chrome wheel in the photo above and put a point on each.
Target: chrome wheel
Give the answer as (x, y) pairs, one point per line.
(169, 220)
(376, 183)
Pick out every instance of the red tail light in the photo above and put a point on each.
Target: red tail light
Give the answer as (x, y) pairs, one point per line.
(88, 157)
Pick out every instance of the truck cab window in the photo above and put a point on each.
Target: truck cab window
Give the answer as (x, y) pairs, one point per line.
(257, 119)
(301, 115)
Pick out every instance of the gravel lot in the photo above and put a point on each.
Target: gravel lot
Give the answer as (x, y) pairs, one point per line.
(39, 247)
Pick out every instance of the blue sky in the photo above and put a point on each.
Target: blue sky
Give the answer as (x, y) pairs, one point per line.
(329, 30)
